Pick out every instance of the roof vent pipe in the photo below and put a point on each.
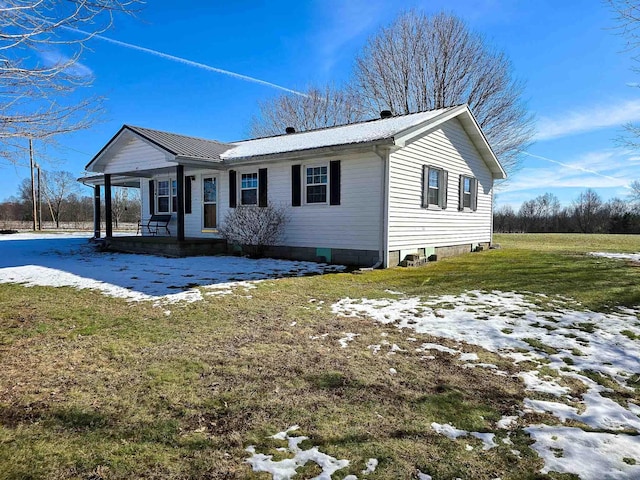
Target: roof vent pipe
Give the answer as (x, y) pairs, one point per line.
(386, 114)
(290, 130)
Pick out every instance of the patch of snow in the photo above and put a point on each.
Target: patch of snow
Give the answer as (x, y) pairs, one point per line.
(634, 257)
(468, 357)
(372, 464)
(423, 476)
(316, 337)
(534, 383)
(69, 260)
(438, 347)
(393, 371)
(507, 422)
(286, 469)
(349, 337)
(590, 455)
(395, 348)
(374, 348)
(486, 438)
(448, 430)
(501, 322)
(600, 412)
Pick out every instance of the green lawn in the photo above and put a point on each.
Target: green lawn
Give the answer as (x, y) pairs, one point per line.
(93, 387)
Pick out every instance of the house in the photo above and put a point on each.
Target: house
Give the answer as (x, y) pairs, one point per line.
(368, 193)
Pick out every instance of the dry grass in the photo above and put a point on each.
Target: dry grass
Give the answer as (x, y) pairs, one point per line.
(98, 388)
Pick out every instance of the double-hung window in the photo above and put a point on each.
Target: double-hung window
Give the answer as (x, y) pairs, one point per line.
(174, 195)
(249, 189)
(163, 196)
(434, 187)
(468, 194)
(316, 184)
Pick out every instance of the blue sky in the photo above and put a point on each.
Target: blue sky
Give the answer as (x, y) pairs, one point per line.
(576, 72)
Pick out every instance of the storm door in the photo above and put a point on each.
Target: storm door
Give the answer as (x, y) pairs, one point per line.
(210, 202)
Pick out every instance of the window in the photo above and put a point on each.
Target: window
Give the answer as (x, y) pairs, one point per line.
(174, 195)
(209, 201)
(316, 184)
(249, 189)
(468, 193)
(163, 196)
(434, 188)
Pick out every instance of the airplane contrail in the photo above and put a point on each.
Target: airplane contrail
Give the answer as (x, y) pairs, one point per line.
(188, 62)
(573, 167)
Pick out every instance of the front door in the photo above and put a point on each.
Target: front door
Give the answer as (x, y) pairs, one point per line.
(210, 202)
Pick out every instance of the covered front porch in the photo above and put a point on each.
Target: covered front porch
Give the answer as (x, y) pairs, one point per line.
(155, 163)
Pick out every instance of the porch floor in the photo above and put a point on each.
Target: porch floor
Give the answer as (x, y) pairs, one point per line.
(165, 246)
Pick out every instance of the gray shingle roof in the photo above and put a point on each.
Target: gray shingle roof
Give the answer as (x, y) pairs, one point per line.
(182, 145)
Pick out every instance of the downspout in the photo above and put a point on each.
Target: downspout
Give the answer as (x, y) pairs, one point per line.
(383, 153)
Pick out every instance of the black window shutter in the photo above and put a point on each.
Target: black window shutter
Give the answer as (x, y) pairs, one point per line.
(425, 186)
(461, 194)
(152, 197)
(295, 186)
(262, 187)
(474, 194)
(443, 189)
(187, 194)
(334, 182)
(233, 195)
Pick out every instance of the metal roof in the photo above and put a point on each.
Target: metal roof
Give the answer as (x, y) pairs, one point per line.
(182, 145)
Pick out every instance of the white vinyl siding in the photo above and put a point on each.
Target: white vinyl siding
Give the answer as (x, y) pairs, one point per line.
(412, 227)
(135, 154)
(354, 224)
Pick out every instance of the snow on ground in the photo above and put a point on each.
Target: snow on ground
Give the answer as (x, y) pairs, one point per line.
(634, 257)
(546, 332)
(286, 468)
(591, 455)
(67, 259)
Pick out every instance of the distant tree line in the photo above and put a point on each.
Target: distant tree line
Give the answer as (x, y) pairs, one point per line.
(64, 201)
(587, 214)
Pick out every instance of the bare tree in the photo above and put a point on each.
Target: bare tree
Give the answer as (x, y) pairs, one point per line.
(627, 17)
(56, 188)
(586, 210)
(635, 193)
(421, 63)
(321, 107)
(40, 46)
(254, 228)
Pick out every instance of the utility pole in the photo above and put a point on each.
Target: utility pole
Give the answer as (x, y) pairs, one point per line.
(39, 199)
(33, 186)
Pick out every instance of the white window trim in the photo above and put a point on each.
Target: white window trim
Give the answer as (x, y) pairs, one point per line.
(305, 184)
(443, 188)
(158, 196)
(256, 188)
(473, 194)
